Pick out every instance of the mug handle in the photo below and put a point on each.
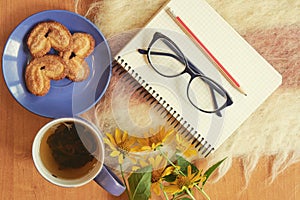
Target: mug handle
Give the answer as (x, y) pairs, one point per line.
(109, 181)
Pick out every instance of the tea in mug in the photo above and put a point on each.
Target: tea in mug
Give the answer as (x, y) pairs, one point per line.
(69, 150)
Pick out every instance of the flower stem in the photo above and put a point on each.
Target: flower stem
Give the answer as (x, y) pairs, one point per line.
(189, 193)
(203, 192)
(164, 155)
(125, 183)
(162, 189)
(181, 196)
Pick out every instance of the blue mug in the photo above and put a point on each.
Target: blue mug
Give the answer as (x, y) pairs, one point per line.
(47, 163)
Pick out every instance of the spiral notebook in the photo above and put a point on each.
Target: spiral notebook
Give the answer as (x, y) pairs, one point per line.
(258, 78)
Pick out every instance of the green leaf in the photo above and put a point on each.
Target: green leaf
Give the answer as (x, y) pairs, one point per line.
(185, 198)
(170, 178)
(183, 163)
(140, 183)
(212, 169)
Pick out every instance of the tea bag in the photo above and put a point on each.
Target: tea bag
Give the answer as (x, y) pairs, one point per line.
(72, 145)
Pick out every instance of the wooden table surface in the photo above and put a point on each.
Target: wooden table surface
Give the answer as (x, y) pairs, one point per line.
(19, 178)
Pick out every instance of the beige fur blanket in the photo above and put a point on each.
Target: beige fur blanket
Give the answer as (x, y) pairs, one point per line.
(273, 29)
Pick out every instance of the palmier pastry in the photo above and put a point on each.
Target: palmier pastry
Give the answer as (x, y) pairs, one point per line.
(47, 35)
(41, 70)
(82, 46)
(78, 69)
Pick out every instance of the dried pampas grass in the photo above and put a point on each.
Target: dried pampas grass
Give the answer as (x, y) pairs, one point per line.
(115, 16)
(245, 15)
(273, 130)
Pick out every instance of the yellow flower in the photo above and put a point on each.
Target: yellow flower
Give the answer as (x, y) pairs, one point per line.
(184, 146)
(185, 182)
(120, 143)
(155, 139)
(159, 170)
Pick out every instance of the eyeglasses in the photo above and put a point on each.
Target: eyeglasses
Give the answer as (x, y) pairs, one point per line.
(165, 57)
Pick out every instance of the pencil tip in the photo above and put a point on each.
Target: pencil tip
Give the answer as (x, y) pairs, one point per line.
(242, 91)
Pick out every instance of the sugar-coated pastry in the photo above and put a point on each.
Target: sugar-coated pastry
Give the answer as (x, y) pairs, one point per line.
(78, 69)
(70, 63)
(82, 46)
(47, 35)
(41, 70)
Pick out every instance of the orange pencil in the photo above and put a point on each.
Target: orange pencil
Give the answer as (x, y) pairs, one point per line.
(194, 38)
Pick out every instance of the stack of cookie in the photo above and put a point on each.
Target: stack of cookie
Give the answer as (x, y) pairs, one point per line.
(67, 62)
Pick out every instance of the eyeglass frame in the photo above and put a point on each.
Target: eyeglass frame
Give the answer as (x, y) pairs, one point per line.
(189, 68)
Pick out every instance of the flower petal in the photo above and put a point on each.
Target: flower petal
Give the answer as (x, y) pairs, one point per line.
(168, 171)
(118, 136)
(124, 136)
(143, 141)
(190, 152)
(172, 189)
(189, 171)
(115, 153)
(155, 187)
(129, 141)
(146, 148)
(134, 168)
(135, 149)
(108, 142)
(151, 161)
(111, 138)
(158, 160)
(143, 163)
(167, 134)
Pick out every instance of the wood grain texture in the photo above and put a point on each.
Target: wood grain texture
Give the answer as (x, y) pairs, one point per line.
(19, 178)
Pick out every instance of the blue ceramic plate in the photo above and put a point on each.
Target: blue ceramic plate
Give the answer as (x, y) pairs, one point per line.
(65, 98)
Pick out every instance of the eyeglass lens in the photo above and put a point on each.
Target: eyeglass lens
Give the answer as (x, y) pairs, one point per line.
(167, 63)
(200, 94)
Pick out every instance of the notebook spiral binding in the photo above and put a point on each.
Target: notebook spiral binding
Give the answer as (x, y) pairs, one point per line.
(174, 119)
